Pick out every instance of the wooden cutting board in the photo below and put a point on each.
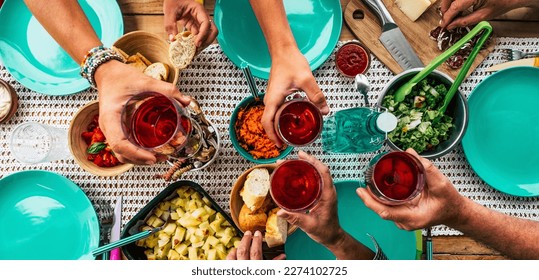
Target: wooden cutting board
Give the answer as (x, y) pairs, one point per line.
(368, 30)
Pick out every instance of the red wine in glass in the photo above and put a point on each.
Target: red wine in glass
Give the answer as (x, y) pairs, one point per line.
(296, 185)
(298, 122)
(154, 122)
(396, 177)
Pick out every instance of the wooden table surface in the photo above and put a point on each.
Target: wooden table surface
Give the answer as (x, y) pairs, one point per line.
(148, 15)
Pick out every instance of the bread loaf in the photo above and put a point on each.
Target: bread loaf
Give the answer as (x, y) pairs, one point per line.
(182, 50)
(276, 229)
(255, 189)
(252, 221)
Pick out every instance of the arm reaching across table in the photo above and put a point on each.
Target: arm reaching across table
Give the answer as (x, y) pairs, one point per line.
(290, 70)
(441, 203)
(115, 81)
(483, 10)
(322, 223)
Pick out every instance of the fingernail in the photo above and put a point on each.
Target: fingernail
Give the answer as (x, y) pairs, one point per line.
(150, 162)
(325, 110)
(258, 233)
(281, 213)
(170, 37)
(440, 22)
(247, 233)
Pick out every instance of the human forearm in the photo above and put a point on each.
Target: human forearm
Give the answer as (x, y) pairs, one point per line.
(511, 236)
(65, 21)
(271, 16)
(347, 248)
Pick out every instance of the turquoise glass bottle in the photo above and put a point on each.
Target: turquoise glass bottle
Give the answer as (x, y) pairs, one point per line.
(357, 130)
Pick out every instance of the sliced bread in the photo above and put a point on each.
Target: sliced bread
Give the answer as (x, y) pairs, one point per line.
(252, 221)
(276, 229)
(182, 50)
(256, 188)
(157, 70)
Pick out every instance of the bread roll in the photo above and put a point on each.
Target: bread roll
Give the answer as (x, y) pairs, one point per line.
(136, 62)
(255, 189)
(276, 229)
(157, 71)
(120, 52)
(182, 50)
(144, 59)
(252, 221)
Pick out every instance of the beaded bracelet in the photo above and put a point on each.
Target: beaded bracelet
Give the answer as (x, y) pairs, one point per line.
(93, 59)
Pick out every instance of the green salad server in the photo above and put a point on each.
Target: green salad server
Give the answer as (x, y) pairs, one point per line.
(124, 241)
(407, 88)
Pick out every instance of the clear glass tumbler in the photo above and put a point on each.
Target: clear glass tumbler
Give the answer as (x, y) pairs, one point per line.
(33, 143)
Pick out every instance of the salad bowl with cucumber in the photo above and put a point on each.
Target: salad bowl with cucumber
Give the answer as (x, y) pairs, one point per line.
(431, 120)
(422, 125)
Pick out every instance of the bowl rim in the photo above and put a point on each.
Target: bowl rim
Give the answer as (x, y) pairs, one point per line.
(175, 70)
(461, 97)
(110, 171)
(233, 138)
(217, 149)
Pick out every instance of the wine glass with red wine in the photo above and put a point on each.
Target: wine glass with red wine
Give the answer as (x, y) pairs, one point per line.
(296, 185)
(395, 178)
(298, 122)
(158, 123)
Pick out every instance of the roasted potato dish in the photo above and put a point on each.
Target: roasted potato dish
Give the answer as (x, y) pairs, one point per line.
(191, 229)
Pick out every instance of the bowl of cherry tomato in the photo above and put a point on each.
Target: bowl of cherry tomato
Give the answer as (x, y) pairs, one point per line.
(89, 145)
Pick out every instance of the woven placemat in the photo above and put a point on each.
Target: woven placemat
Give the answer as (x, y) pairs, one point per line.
(218, 85)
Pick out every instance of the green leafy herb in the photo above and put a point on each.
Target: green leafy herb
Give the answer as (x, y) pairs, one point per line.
(95, 148)
(420, 125)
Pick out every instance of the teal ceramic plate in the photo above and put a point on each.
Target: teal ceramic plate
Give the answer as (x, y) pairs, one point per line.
(35, 60)
(502, 140)
(45, 216)
(316, 25)
(358, 221)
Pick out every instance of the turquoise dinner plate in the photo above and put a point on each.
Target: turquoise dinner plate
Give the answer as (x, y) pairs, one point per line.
(358, 221)
(45, 216)
(502, 140)
(316, 26)
(35, 60)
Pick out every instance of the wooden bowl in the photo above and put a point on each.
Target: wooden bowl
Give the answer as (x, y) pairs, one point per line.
(236, 201)
(78, 147)
(151, 46)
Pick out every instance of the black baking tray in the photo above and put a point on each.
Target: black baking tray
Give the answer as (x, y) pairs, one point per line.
(134, 252)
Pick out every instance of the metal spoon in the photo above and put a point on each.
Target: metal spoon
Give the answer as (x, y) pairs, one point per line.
(250, 81)
(363, 86)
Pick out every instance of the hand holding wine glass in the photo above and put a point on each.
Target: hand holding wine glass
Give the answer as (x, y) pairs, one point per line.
(438, 203)
(117, 83)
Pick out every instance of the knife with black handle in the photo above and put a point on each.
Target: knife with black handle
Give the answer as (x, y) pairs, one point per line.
(392, 37)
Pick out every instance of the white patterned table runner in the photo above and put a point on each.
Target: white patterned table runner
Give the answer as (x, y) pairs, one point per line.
(219, 86)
